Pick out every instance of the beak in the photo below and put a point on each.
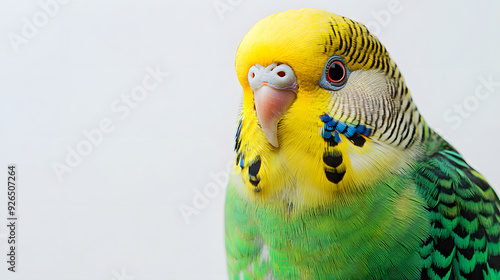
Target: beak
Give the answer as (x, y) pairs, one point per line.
(275, 88)
(271, 104)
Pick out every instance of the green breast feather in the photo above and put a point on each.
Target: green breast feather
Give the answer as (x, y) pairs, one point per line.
(439, 222)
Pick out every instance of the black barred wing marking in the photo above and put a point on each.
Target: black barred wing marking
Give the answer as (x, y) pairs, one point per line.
(465, 220)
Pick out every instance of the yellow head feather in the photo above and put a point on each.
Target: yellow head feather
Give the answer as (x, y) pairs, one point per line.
(295, 172)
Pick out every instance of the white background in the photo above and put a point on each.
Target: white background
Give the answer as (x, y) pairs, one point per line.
(117, 214)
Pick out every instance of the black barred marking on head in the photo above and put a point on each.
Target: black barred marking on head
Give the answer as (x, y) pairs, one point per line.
(356, 44)
(361, 50)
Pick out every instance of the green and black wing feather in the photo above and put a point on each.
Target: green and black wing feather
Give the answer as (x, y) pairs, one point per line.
(465, 220)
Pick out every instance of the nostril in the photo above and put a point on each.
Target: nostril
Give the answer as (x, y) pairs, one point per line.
(279, 76)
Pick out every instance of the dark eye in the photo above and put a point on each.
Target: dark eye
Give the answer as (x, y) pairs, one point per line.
(335, 74)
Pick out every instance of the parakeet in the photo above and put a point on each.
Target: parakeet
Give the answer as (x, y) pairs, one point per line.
(337, 175)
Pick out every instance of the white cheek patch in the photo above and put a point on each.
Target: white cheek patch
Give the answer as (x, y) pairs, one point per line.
(365, 103)
(365, 99)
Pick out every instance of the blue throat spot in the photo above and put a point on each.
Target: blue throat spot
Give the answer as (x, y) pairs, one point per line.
(242, 160)
(333, 128)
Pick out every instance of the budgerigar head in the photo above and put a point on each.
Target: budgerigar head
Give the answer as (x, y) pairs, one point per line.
(325, 109)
